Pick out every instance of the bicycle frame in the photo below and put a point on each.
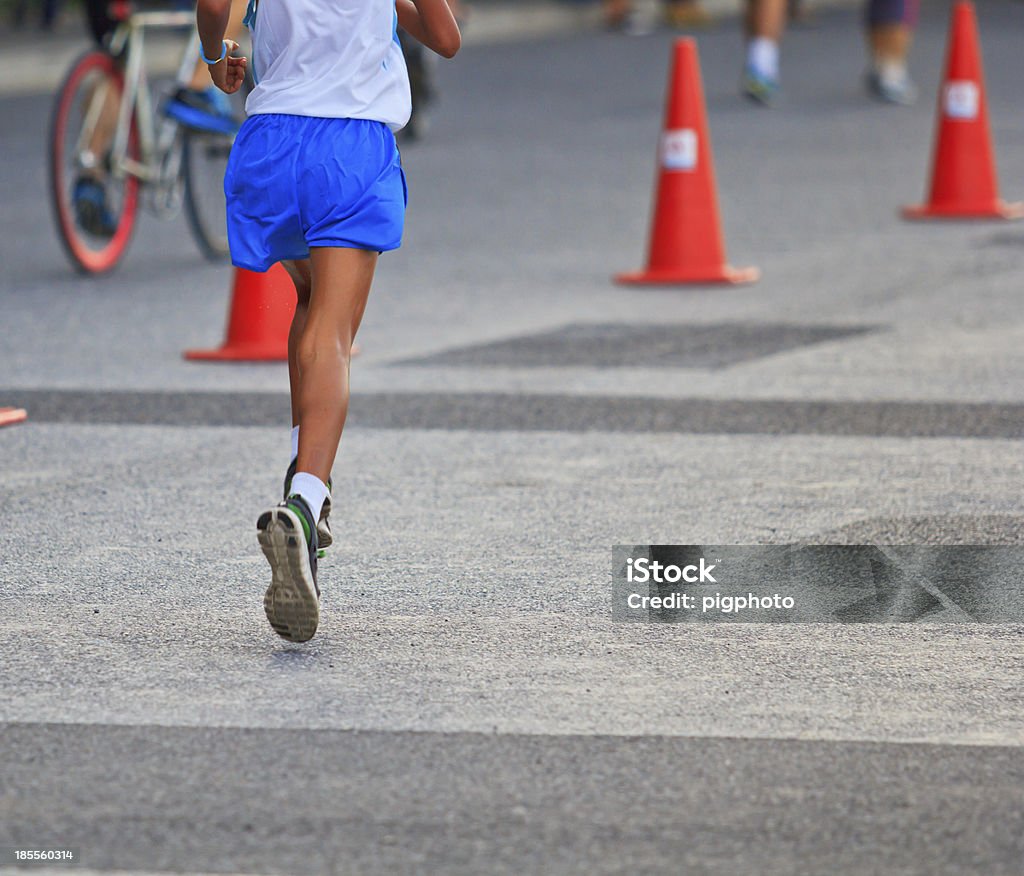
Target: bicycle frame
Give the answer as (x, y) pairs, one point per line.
(154, 143)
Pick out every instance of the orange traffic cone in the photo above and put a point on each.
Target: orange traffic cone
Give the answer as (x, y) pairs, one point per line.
(686, 239)
(10, 416)
(963, 166)
(262, 306)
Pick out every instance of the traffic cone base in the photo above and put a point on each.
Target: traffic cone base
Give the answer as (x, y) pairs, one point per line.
(262, 306)
(10, 416)
(270, 352)
(998, 210)
(726, 274)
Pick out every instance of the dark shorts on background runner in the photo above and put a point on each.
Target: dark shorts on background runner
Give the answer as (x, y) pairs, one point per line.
(882, 12)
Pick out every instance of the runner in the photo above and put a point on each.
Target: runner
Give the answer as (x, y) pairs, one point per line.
(890, 30)
(315, 181)
(764, 23)
(889, 33)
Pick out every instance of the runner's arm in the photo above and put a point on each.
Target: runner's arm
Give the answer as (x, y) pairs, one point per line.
(432, 23)
(212, 18)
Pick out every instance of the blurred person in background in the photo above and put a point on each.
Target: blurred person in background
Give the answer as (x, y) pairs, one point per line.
(421, 65)
(763, 25)
(798, 14)
(890, 31)
(686, 14)
(619, 15)
(48, 12)
(889, 25)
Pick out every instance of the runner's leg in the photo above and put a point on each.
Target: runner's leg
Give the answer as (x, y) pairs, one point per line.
(341, 279)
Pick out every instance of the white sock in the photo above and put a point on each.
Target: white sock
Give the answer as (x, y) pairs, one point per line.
(312, 489)
(295, 441)
(890, 71)
(763, 56)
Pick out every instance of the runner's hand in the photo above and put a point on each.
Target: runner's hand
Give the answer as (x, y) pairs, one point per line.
(229, 73)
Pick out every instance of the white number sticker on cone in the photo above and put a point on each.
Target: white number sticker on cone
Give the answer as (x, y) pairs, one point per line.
(679, 149)
(962, 99)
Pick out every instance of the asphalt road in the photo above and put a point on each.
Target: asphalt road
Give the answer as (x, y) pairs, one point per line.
(468, 706)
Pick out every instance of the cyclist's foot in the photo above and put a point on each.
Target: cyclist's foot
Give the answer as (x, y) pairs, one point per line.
(287, 535)
(91, 209)
(323, 526)
(891, 84)
(761, 89)
(208, 110)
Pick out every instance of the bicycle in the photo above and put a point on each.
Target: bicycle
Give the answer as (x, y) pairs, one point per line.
(144, 156)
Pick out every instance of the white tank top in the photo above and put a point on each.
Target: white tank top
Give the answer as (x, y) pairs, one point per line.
(330, 58)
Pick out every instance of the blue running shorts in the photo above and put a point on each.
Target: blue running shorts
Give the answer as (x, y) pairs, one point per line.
(299, 181)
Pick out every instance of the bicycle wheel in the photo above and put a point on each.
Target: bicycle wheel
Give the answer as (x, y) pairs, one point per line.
(81, 132)
(204, 162)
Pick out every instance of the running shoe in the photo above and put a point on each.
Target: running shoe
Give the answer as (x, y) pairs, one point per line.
(287, 535)
(763, 90)
(208, 110)
(891, 86)
(91, 209)
(323, 525)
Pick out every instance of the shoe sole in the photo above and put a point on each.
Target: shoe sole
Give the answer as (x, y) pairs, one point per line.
(324, 539)
(323, 535)
(291, 603)
(758, 98)
(892, 99)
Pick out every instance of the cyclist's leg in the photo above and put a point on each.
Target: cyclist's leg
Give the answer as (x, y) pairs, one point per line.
(90, 195)
(102, 108)
(101, 26)
(103, 131)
